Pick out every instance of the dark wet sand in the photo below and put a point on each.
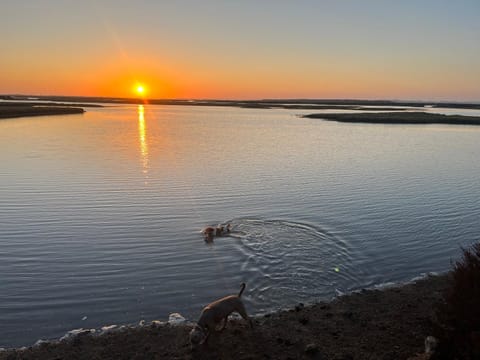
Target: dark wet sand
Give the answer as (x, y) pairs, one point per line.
(399, 118)
(373, 324)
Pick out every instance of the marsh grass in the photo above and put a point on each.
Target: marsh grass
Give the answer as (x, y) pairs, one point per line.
(458, 316)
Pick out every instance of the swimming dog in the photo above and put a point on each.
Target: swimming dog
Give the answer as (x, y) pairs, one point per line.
(210, 232)
(216, 312)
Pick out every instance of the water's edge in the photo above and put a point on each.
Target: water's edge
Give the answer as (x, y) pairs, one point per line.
(176, 319)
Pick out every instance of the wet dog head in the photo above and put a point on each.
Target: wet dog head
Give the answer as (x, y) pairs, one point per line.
(197, 336)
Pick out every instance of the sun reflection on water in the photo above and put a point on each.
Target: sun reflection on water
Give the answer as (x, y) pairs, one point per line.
(142, 138)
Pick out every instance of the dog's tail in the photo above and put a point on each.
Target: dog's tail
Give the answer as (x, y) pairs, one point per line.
(242, 287)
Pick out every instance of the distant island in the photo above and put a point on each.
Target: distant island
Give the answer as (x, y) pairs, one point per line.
(403, 117)
(12, 109)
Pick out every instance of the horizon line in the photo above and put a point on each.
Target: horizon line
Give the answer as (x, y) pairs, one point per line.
(137, 99)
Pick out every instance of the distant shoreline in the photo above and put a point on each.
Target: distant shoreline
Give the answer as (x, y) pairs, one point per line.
(375, 112)
(300, 104)
(398, 118)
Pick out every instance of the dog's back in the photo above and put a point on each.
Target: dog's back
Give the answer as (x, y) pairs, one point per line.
(216, 312)
(221, 308)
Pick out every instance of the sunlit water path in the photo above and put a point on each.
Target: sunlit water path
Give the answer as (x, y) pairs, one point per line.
(100, 214)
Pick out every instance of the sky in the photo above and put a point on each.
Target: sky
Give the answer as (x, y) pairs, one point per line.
(242, 49)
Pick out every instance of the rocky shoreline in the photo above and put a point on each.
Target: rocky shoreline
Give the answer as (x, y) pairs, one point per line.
(371, 324)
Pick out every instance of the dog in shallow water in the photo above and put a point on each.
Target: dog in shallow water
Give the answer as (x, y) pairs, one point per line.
(216, 312)
(210, 232)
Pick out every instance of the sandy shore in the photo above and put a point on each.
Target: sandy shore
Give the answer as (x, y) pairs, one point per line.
(20, 109)
(399, 118)
(371, 324)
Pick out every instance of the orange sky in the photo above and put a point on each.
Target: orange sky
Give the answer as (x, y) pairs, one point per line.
(244, 50)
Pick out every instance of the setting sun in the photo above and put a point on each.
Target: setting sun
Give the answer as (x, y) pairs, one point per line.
(140, 90)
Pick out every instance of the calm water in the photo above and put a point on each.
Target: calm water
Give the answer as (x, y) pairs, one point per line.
(100, 214)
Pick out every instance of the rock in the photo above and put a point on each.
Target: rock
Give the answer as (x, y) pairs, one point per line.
(108, 328)
(299, 307)
(76, 332)
(235, 316)
(176, 319)
(311, 349)
(40, 342)
(431, 344)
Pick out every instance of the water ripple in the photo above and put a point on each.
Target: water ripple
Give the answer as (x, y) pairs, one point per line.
(285, 259)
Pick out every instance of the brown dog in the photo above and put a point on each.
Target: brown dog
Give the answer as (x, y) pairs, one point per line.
(210, 232)
(216, 312)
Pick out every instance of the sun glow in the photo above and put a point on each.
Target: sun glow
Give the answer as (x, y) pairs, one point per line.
(140, 90)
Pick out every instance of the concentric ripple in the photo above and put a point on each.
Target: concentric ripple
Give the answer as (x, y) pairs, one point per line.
(286, 260)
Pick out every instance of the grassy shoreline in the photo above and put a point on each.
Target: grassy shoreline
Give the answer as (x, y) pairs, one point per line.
(398, 118)
(370, 324)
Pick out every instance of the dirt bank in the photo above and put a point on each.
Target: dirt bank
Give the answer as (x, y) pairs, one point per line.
(373, 324)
